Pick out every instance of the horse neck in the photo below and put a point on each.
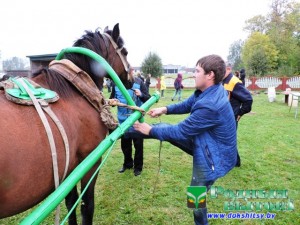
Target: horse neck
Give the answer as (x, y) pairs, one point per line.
(80, 119)
(89, 66)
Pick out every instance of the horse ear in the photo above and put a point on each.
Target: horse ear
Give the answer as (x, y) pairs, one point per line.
(105, 29)
(116, 32)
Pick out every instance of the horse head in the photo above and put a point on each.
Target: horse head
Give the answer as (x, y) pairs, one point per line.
(110, 45)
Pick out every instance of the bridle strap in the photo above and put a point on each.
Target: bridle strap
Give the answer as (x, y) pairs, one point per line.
(118, 50)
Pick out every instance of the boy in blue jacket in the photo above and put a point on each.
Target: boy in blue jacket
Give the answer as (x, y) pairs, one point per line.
(139, 93)
(208, 133)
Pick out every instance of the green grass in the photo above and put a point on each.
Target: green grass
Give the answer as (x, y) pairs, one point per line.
(269, 144)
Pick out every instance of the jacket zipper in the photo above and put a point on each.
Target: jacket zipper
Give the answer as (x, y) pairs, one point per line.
(209, 158)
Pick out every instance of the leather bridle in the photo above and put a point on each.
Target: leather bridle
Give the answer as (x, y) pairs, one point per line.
(118, 51)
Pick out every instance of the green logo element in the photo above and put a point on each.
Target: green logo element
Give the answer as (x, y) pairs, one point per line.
(196, 197)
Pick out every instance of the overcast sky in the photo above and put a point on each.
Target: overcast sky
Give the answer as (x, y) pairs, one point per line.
(179, 31)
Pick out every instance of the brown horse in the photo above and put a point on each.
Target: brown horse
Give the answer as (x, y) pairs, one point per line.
(26, 173)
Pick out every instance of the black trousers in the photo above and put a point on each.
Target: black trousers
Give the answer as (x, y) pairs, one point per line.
(126, 146)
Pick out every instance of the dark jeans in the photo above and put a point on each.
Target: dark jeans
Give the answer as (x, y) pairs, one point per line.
(126, 146)
(200, 214)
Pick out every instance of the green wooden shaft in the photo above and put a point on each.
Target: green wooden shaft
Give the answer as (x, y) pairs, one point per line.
(54, 199)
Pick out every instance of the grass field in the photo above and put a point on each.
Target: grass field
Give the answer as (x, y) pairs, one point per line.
(269, 146)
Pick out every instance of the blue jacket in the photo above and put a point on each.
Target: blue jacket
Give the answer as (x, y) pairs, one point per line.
(210, 129)
(124, 113)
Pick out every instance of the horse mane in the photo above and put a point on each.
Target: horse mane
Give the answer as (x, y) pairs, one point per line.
(56, 82)
(94, 41)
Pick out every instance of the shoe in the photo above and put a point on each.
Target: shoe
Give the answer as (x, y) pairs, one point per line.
(122, 170)
(137, 172)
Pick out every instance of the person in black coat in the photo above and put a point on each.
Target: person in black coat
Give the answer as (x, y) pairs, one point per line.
(240, 98)
(148, 82)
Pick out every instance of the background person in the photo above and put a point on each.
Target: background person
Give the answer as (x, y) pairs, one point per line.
(178, 87)
(240, 98)
(148, 81)
(208, 133)
(108, 84)
(158, 84)
(237, 74)
(139, 75)
(163, 86)
(243, 76)
(139, 94)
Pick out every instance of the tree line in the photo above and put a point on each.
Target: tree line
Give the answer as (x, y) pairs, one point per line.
(273, 44)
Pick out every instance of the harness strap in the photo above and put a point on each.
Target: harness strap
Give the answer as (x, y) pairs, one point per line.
(118, 50)
(48, 131)
(62, 131)
(50, 138)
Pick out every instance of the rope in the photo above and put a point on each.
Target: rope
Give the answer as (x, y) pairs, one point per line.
(159, 167)
(116, 102)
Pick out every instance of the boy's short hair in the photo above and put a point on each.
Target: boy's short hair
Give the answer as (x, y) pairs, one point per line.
(213, 63)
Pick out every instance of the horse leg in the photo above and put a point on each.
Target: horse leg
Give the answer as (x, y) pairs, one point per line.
(70, 201)
(87, 205)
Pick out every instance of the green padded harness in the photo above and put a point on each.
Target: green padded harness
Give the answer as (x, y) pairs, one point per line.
(39, 92)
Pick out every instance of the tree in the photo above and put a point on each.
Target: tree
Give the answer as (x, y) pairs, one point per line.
(152, 64)
(280, 32)
(256, 47)
(14, 63)
(256, 24)
(258, 62)
(284, 32)
(282, 26)
(234, 56)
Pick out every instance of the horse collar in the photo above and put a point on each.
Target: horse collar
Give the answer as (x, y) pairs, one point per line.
(86, 86)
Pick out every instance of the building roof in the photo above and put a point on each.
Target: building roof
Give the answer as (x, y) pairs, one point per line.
(44, 57)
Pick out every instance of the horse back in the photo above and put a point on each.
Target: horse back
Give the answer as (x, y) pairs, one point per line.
(25, 159)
